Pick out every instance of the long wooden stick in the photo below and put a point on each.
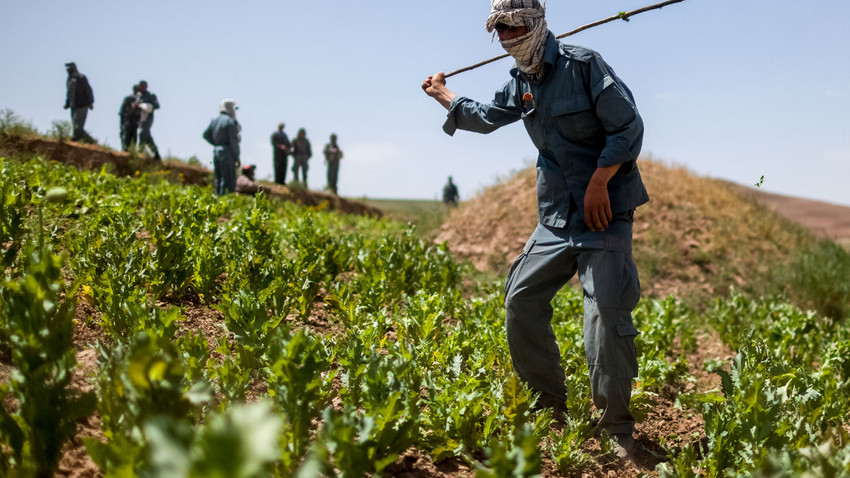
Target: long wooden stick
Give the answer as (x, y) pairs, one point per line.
(620, 16)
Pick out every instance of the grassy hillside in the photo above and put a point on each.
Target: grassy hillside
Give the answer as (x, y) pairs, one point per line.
(696, 238)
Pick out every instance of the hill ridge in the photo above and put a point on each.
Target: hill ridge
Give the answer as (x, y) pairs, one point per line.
(93, 157)
(690, 237)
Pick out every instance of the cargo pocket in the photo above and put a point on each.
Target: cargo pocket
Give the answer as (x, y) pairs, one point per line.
(626, 349)
(574, 118)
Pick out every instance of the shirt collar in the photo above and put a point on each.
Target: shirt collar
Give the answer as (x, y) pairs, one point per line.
(550, 57)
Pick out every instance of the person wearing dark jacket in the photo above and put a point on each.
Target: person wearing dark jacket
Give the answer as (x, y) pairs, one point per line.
(79, 99)
(332, 156)
(280, 148)
(147, 103)
(129, 114)
(224, 134)
(450, 194)
(301, 153)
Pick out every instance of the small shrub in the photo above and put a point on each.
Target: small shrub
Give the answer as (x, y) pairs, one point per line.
(60, 130)
(13, 125)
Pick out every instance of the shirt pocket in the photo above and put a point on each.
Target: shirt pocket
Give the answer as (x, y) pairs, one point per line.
(573, 117)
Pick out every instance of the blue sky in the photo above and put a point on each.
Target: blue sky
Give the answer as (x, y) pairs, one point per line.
(732, 89)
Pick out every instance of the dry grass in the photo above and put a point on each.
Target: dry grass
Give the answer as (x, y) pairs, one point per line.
(696, 236)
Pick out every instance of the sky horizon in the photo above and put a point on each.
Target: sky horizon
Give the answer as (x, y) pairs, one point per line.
(730, 90)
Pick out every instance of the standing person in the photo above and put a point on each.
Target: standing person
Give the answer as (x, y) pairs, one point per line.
(301, 153)
(147, 103)
(129, 115)
(79, 98)
(332, 156)
(583, 120)
(450, 195)
(224, 133)
(280, 148)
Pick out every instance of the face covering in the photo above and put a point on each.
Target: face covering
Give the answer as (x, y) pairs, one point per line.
(528, 49)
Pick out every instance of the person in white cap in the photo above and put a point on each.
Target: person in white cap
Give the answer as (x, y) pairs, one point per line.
(224, 134)
(583, 120)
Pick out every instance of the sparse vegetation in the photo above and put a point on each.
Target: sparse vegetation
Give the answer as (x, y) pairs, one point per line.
(61, 130)
(13, 125)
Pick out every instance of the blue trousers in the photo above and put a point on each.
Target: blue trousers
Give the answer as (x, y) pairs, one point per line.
(299, 164)
(224, 170)
(145, 138)
(78, 119)
(609, 278)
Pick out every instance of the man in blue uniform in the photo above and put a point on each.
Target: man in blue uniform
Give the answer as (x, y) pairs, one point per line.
(148, 103)
(79, 99)
(280, 147)
(224, 133)
(129, 115)
(450, 194)
(583, 120)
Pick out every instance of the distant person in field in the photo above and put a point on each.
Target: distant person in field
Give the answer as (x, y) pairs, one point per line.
(245, 183)
(130, 115)
(280, 150)
(332, 156)
(147, 104)
(79, 98)
(301, 154)
(450, 195)
(224, 134)
(583, 120)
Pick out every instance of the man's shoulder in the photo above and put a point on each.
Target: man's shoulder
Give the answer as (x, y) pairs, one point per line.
(576, 52)
(224, 119)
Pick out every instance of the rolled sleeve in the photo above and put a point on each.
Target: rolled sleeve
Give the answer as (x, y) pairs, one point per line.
(470, 115)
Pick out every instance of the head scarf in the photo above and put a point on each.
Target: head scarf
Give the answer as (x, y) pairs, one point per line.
(228, 106)
(528, 49)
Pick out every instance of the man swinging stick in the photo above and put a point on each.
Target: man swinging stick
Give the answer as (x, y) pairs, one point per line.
(583, 120)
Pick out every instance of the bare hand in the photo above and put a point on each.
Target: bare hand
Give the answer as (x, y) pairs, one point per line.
(597, 206)
(433, 83)
(435, 87)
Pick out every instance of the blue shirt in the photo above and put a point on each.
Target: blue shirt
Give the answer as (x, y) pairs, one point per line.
(223, 133)
(580, 116)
